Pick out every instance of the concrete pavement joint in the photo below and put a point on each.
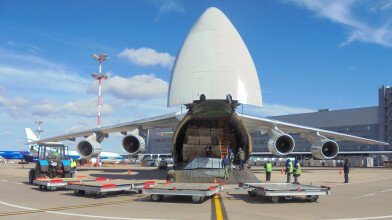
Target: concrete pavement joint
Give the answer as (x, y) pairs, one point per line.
(361, 181)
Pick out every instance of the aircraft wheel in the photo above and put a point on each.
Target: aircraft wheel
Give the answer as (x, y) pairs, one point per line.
(156, 197)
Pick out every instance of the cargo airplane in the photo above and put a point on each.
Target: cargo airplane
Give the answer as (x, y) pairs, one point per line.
(213, 74)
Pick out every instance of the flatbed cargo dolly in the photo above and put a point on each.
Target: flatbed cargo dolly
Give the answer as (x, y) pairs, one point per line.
(280, 191)
(101, 188)
(198, 191)
(58, 183)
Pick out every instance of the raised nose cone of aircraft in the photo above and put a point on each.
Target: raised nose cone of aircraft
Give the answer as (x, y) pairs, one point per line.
(214, 61)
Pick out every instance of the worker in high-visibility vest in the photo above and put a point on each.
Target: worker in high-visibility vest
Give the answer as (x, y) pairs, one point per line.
(297, 171)
(268, 170)
(73, 164)
(289, 170)
(73, 168)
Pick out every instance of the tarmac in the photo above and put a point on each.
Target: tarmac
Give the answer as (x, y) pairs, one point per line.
(367, 196)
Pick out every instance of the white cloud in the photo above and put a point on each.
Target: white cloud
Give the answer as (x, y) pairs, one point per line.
(137, 87)
(167, 6)
(342, 12)
(82, 108)
(16, 102)
(75, 128)
(171, 6)
(13, 106)
(38, 74)
(5, 133)
(147, 57)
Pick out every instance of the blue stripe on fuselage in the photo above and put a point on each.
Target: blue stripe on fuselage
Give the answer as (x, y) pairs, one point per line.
(13, 154)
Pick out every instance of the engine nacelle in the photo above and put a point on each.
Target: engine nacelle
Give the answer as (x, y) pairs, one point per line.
(280, 143)
(133, 144)
(88, 148)
(325, 149)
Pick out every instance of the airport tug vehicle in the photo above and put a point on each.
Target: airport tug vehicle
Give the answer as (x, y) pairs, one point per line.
(52, 168)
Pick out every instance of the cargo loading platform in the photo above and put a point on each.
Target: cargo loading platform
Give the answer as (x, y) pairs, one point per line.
(198, 191)
(59, 183)
(104, 186)
(281, 191)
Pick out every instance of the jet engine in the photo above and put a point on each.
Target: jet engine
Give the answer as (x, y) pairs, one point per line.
(133, 144)
(325, 149)
(280, 143)
(88, 148)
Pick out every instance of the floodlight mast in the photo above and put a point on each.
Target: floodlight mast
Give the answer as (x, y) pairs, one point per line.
(99, 76)
(39, 130)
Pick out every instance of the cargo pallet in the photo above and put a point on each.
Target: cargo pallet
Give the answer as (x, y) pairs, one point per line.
(58, 183)
(281, 191)
(198, 191)
(103, 187)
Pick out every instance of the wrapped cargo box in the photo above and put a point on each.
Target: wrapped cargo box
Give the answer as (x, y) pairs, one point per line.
(193, 140)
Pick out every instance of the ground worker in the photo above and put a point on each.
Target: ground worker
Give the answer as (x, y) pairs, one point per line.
(73, 168)
(55, 155)
(241, 157)
(171, 176)
(297, 171)
(268, 170)
(289, 170)
(346, 169)
(231, 157)
(226, 165)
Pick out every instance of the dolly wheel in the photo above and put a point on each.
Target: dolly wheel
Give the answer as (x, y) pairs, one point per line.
(312, 198)
(197, 199)
(252, 193)
(156, 197)
(275, 199)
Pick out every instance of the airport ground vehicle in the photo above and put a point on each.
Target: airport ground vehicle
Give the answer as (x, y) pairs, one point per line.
(103, 186)
(198, 191)
(51, 163)
(281, 191)
(59, 183)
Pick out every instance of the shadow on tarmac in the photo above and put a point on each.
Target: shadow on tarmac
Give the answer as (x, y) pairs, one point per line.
(263, 200)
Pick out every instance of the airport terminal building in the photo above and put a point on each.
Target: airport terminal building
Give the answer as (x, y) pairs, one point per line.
(368, 122)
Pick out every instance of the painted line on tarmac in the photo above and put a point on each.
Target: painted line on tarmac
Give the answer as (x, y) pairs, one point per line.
(218, 211)
(367, 195)
(362, 218)
(4, 180)
(361, 181)
(387, 190)
(55, 211)
(17, 183)
(16, 206)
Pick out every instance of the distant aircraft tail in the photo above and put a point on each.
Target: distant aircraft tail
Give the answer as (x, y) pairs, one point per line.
(30, 138)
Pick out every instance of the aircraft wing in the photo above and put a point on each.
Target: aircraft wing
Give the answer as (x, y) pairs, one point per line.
(265, 124)
(163, 121)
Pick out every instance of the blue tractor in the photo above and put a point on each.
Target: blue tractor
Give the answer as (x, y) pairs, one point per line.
(52, 162)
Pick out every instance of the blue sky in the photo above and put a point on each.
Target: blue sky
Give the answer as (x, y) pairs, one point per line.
(309, 55)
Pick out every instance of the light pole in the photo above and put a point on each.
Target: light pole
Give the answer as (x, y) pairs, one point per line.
(39, 130)
(99, 76)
